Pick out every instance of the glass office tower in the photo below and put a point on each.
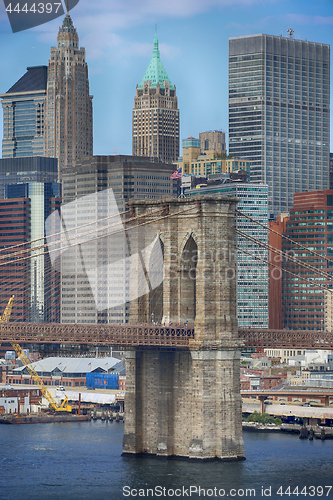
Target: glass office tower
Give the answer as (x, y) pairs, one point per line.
(27, 169)
(279, 111)
(251, 257)
(23, 115)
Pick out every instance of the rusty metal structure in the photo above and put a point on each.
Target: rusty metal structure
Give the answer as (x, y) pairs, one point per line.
(175, 337)
(279, 339)
(122, 335)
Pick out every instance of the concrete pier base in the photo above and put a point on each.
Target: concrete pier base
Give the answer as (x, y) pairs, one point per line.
(183, 404)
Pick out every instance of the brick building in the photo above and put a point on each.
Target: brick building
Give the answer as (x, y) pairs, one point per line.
(275, 274)
(15, 272)
(311, 225)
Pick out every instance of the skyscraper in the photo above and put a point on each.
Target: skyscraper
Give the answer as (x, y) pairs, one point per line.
(15, 217)
(23, 213)
(303, 292)
(279, 111)
(88, 184)
(155, 116)
(23, 115)
(26, 169)
(48, 112)
(275, 272)
(68, 113)
(252, 275)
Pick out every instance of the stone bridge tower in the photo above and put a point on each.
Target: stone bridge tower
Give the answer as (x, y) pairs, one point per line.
(187, 403)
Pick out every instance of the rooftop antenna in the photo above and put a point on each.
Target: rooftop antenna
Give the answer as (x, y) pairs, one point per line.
(67, 8)
(290, 32)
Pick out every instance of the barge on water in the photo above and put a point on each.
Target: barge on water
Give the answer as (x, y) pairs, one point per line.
(42, 419)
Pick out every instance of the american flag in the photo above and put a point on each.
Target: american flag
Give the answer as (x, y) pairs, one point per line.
(177, 174)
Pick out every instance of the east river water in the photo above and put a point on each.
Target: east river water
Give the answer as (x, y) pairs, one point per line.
(79, 461)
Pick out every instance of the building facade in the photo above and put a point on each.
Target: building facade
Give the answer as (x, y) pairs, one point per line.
(28, 194)
(26, 169)
(24, 114)
(48, 112)
(209, 162)
(310, 229)
(251, 258)
(19, 400)
(331, 171)
(275, 234)
(279, 109)
(214, 140)
(106, 183)
(155, 116)
(65, 372)
(23, 214)
(328, 326)
(68, 105)
(15, 220)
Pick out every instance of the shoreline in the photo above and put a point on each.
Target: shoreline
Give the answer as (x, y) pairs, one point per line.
(289, 428)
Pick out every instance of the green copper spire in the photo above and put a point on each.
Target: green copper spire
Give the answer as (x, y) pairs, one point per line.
(155, 72)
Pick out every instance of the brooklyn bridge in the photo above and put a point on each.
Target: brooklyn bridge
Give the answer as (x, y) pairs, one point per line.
(188, 369)
(155, 336)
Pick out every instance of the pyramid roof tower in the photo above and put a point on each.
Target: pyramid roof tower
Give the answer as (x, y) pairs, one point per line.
(155, 72)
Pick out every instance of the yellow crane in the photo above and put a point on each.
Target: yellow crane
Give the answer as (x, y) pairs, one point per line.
(26, 361)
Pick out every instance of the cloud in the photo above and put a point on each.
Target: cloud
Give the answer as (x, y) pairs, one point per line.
(100, 26)
(128, 11)
(303, 19)
(280, 23)
(113, 47)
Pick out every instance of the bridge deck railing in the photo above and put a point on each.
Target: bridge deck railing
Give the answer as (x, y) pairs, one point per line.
(118, 335)
(177, 336)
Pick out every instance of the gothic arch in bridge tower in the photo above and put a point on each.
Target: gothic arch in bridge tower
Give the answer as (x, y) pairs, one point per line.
(156, 274)
(188, 259)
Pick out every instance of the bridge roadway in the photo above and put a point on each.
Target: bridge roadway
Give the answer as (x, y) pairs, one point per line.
(176, 337)
(123, 335)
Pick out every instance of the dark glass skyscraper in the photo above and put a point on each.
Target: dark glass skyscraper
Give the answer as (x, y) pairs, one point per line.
(26, 169)
(279, 112)
(23, 115)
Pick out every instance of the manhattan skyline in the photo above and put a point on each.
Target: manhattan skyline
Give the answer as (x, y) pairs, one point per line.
(193, 40)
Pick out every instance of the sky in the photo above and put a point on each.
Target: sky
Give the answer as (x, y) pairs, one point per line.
(193, 40)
